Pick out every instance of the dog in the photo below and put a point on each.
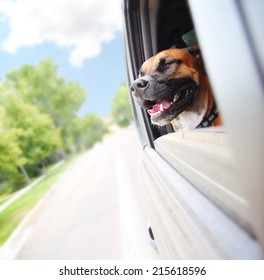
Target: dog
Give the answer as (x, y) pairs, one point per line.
(173, 87)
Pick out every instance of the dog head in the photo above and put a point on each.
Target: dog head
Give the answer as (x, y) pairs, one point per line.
(168, 83)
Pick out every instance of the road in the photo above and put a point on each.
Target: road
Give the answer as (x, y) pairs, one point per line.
(92, 211)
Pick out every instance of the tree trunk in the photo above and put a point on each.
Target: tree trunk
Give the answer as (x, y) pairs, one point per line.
(23, 170)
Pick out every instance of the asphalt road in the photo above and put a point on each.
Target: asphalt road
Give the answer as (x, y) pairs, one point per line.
(92, 211)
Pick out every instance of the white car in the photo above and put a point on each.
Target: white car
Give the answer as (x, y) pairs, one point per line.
(203, 190)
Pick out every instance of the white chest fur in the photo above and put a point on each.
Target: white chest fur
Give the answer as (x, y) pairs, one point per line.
(188, 120)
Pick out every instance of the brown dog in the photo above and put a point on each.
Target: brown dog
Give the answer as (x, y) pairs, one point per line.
(174, 88)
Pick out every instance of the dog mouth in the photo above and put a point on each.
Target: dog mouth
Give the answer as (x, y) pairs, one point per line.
(163, 111)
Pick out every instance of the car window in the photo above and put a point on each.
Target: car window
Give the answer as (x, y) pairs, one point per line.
(222, 163)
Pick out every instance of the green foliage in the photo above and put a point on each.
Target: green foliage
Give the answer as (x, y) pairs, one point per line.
(10, 152)
(10, 159)
(39, 122)
(41, 86)
(121, 109)
(94, 129)
(35, 135)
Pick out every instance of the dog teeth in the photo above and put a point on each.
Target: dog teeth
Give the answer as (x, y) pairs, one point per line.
(161, 107)
(176, 97)
(157, 113)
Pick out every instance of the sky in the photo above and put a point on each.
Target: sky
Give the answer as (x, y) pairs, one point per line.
(83, 37)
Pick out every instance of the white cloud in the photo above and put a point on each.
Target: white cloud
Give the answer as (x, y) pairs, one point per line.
(80, 25)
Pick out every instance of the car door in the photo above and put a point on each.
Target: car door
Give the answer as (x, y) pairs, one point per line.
(203, 189)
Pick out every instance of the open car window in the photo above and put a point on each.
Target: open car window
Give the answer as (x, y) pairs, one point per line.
(224, 164)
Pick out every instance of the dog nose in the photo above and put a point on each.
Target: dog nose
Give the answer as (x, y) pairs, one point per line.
(139, 85)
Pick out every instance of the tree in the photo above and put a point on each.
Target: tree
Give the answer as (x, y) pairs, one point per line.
(10, 153)
(36, 136)
(94, 128)
(121, 109)
(11, 160)
(38, 118)
(11, 157)
(40, 85)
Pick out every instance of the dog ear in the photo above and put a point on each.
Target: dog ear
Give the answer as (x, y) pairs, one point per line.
(194, 51)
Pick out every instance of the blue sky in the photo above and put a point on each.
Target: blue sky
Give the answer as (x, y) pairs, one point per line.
(87, 49)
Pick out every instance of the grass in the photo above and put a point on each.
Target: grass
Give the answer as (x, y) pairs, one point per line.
(14, 214)
(2, 201)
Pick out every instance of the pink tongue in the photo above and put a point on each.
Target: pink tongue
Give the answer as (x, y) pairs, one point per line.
(157, 107)
(166, 104)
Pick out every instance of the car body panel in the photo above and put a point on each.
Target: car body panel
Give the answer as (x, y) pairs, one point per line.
(203, 190)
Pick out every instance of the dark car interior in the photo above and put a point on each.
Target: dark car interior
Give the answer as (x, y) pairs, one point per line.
(162, 30)
(174, 31)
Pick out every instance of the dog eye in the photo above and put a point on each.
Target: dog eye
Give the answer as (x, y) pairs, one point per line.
(140, 74)
(163, 65)
(176, 61)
